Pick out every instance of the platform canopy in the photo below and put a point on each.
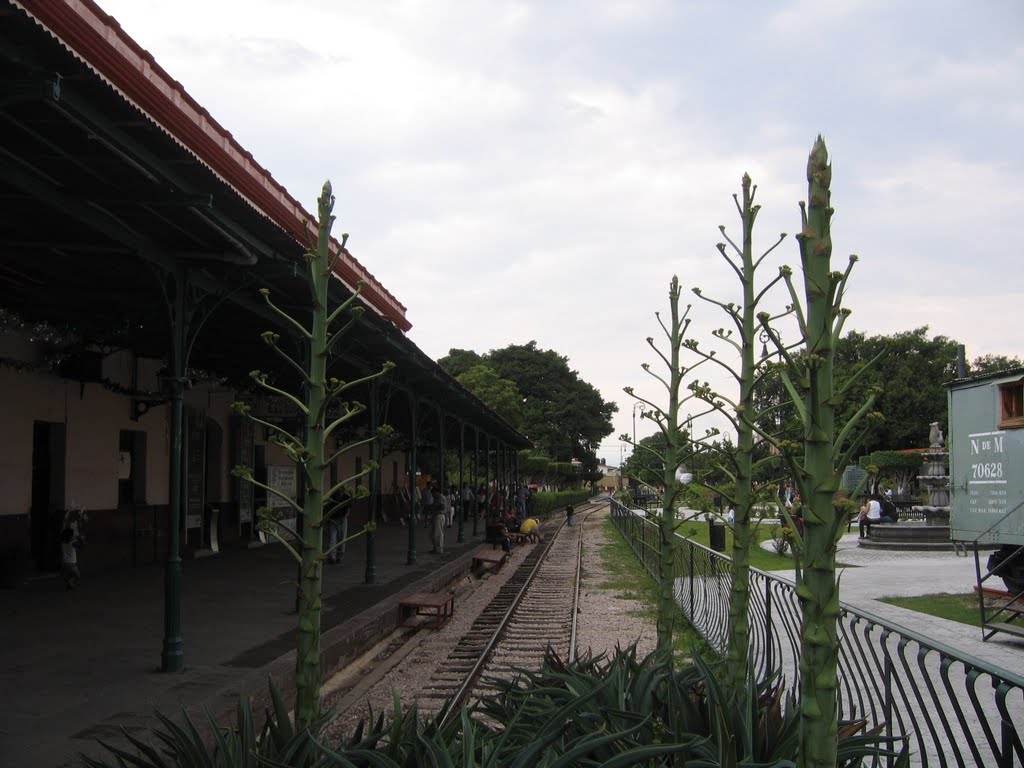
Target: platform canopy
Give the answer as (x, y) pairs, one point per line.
(113, 179)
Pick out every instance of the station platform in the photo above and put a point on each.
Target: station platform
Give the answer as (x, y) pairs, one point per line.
(78, 665)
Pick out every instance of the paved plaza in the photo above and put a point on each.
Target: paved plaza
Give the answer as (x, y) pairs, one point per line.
(873, 574)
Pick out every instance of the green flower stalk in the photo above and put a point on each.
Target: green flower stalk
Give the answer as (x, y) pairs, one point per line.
(671, 457)
(309, 450)
(740, 466)
(827, 451)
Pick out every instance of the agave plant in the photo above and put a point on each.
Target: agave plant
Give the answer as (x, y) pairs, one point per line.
(241, 745)
(625, 710)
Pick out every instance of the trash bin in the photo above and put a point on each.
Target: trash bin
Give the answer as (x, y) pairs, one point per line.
(717, 530)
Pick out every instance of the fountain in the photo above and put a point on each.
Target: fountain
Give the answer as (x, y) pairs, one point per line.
(929, 527)
(935, 480)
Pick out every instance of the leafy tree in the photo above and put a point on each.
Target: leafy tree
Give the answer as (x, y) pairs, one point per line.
(458, 361)
(900, 467)
(564, 415)
(500, 395)
(308, 448)
(909, 377)
(991, 363)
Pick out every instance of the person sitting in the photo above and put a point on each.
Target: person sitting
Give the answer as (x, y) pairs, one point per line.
(501, 537)
(871, 514)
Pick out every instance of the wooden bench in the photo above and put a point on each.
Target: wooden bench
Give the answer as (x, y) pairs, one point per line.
(440, 606)
(485, 558)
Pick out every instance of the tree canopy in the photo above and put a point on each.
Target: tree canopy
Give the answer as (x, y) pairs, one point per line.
(910, 375)
(563, 414)
(501, 395)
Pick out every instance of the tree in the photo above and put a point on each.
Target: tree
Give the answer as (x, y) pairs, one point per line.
(500, 395)
(458, 361)
(909, 376)
(563, 414)
(901, 467)
(308, 447)
(991, 363)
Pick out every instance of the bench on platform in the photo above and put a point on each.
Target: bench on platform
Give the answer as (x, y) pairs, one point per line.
(486, 558)
(439, 606)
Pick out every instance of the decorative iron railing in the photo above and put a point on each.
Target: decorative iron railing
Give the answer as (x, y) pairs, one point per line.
(954, 710)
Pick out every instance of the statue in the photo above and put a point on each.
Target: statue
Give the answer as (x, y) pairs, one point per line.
(935, 436)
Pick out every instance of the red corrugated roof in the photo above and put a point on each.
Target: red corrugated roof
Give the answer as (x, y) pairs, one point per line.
(98, 40)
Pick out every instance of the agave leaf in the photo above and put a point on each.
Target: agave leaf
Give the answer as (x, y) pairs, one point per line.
(280, 725)
(187, 746)
(147, 756)
(227, 751)
(434, 748)
(587, 745)
(641, 755)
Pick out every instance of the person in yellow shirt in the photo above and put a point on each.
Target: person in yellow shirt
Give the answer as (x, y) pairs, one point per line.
(531, 527)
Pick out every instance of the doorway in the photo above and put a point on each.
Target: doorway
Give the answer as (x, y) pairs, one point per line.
(48, 446)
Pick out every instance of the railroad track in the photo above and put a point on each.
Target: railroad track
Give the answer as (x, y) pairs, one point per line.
(536, 608)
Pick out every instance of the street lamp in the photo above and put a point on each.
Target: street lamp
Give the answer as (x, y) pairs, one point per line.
(764, 337)
(684, 475)
(641, 407)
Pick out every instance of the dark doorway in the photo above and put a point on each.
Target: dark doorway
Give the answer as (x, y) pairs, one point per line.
(47, 493)
(131, 483)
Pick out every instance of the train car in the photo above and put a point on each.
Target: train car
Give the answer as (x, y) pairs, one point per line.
(986, 452)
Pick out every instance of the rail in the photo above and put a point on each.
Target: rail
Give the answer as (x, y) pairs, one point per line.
(469, 682)
(954, 709)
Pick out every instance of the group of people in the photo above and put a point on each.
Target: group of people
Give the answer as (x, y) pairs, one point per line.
(877, 509)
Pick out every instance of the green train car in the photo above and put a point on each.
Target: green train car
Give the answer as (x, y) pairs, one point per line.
(986, 473)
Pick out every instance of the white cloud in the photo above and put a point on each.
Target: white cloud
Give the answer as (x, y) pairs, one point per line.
(528, 170)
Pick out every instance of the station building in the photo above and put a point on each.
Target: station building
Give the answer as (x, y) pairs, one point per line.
(135, 236)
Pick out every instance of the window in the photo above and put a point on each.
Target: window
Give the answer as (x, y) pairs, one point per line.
(1011, 404)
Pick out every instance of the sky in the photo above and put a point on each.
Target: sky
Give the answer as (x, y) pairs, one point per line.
(517, 171)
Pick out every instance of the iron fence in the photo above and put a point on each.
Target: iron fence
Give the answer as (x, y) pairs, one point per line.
(954, 710)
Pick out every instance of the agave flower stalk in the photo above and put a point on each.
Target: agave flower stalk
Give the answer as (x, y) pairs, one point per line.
(740, 467)
(827, 451)
(308, 449)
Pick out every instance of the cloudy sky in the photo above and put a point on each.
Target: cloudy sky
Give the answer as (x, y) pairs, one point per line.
(517, 171)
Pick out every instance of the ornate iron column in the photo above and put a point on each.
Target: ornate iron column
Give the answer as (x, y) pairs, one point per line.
(370, 577)
(413, 490)
(462, 463)
(476, 480)
(172, 656)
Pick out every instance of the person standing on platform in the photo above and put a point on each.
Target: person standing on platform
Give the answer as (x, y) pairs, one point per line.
(449, 506)
(481, 502)
(437, 518)
(521, 492)
(427, 500)
(69, 544)
(467, 501)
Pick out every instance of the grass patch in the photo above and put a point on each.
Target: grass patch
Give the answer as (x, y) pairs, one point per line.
(633, 582)
(962, 608)
(765, 560)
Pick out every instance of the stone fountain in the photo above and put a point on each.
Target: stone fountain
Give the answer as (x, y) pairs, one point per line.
(931, 533)
(935, 480)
